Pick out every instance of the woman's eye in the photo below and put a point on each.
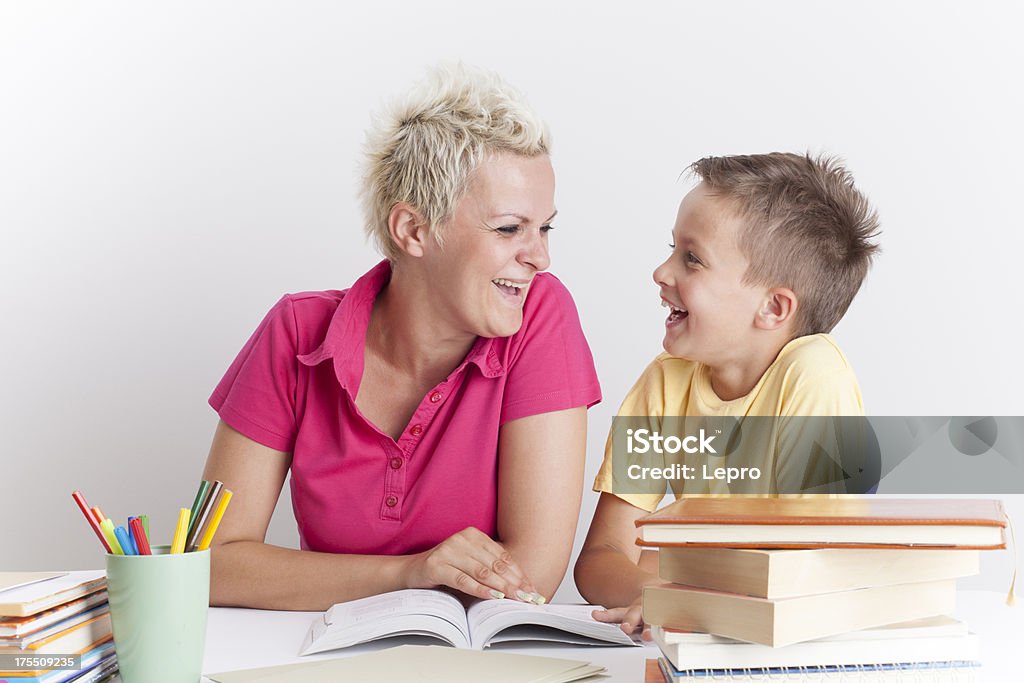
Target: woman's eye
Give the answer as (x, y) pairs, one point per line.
(547, 228)
(691, 258)
(508, 229)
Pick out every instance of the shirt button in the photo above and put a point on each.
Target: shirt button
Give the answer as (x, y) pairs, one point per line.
(396, 463)
(416, 430)
(391, 501)
(435, 397)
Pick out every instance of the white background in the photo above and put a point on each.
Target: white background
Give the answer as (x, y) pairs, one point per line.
(167, 172)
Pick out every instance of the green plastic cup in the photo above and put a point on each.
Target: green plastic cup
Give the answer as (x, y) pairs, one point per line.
(158, 607)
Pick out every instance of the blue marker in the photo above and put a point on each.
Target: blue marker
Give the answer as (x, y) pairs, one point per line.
(125, 539)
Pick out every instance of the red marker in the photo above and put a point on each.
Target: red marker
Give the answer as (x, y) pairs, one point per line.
(84, 507)
(139, 535)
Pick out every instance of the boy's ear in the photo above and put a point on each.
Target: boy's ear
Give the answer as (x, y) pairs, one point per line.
(407, 228)
(777, 310)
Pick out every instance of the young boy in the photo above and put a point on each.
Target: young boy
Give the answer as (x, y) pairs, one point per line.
(768, 251)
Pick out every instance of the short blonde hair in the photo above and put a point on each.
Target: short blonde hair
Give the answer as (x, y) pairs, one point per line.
(807, 227)
(423, 149)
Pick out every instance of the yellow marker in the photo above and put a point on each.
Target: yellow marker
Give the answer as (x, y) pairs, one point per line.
(108, 533)
(211, 528)
(178, 544)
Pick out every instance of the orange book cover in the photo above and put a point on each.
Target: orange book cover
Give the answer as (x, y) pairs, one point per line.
(820, 521)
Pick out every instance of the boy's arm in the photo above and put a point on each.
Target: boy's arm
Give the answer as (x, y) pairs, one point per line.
(611, 569)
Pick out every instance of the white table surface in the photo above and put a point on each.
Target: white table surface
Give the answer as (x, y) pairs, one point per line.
(244, 638)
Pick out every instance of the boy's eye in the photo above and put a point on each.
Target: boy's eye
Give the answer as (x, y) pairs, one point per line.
(692, 258)
(671, 245)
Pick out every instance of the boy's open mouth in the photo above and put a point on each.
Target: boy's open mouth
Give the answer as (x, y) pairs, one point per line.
(675, 314)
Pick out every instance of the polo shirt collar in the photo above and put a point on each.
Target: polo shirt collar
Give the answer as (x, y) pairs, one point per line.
(345, 341)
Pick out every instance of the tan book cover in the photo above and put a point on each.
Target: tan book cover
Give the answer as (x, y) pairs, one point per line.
(786, 621)
(827, 522)
(9, 580)
(37, 597)
(790, 573)
(408, 662)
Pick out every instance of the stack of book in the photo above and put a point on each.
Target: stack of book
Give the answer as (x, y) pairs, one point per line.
(799, 586)
(55, 627)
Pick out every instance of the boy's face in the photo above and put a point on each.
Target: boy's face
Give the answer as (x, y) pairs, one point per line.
(712, 312)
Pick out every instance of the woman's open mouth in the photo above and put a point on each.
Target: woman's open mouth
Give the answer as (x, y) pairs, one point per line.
(512, 290)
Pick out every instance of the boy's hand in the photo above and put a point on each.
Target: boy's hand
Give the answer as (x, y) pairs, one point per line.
(629, 618)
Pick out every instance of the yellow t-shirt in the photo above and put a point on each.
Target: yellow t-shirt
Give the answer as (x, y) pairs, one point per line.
(810, 378)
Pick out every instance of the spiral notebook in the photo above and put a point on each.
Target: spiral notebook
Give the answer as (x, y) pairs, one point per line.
(926, 672)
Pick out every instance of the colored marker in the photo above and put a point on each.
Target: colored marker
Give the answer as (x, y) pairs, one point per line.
(98, 514)
(108, 532)
(178, 544)
(139, 536)
(205, 510)
(145, 524)
(211, 528)
(204, 487)
(126, 542)
(128, 535)
(128, 528)
(93, 522)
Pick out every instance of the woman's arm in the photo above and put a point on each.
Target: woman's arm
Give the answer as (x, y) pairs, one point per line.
(540, 484)
(611, 569)
(247, 572)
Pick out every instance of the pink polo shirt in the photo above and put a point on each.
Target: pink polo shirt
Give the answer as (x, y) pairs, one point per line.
(355, 489)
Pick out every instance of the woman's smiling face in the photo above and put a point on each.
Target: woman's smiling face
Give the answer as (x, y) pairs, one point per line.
(494, 245)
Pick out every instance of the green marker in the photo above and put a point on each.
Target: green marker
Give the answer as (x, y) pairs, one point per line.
(200, 497)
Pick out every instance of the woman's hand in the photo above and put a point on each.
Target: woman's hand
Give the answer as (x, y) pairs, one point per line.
(472, 562)
(629, 618)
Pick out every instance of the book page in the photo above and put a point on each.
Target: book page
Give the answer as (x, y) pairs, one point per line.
(406, 612)
(494, 621)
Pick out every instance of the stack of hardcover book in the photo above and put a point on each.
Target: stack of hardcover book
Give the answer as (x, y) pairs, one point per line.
(816, 585)
(55, 627)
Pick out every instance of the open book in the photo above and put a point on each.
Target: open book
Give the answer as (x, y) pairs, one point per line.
(440, 615)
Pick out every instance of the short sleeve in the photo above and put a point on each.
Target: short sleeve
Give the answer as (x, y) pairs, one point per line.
(644, 399)
(550, 366)
(256, 396)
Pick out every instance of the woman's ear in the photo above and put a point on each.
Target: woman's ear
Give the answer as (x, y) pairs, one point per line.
(408, 230)
(778, 309)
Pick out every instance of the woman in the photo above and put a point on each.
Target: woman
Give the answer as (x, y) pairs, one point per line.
(433, 416)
